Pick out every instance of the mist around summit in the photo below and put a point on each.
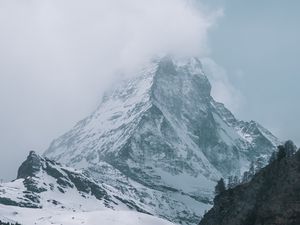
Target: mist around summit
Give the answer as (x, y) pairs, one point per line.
(125, 112)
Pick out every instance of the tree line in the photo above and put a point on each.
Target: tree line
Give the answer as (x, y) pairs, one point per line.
(8, 223)
(288, 149)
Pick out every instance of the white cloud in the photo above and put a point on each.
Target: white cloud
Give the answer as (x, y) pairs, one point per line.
(57, 57)
(222, 88)
(72, 46)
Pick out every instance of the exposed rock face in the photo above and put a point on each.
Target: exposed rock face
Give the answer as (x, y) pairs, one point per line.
(43, 183)
(162, 139)
(31, 166)
(271, 198)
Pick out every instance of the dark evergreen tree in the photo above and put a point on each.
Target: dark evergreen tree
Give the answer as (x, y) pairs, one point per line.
(7, 223)
(273, 157)
(230, 182)
(220, 187)
(281, 152)
(290, 148)
(236, 181)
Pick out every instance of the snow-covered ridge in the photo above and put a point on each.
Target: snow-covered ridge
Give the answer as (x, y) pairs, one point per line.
(111, 124)
(43, 183)
(163, 141)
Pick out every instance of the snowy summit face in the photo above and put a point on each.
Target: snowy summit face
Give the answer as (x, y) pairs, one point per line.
(163, 141)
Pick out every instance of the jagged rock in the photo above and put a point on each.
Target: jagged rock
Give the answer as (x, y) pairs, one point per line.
(43, 183)
(30, 167)
(162, 140)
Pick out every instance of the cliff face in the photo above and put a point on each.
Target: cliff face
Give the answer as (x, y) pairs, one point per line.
(31, 166)
(271, 198)
(162, 139)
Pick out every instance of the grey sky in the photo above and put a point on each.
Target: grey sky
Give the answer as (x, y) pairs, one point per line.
(257, 42)
(55, 64)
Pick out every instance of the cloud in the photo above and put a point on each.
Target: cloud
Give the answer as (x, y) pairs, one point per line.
(222, 88)
(76, 47)
(57, 57)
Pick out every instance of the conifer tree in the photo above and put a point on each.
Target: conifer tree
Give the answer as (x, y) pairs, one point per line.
(220, 187)
(281, 152)
(290, 148)
(273, 157)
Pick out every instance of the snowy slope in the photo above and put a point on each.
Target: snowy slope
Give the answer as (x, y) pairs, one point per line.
(162, 140)
(43, 183)
(27, 216)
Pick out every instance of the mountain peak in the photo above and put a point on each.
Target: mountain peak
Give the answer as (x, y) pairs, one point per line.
(159, 128)
(30, 166)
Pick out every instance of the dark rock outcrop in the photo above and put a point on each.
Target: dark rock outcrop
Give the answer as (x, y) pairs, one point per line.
(272, 197)
(30, 166)
(41, 180)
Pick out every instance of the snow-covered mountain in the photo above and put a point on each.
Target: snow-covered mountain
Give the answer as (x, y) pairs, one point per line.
(162, 141)
(46, 192)
(43, 183)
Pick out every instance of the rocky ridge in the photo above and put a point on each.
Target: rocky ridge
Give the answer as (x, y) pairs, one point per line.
(163, 141)
(43, 183)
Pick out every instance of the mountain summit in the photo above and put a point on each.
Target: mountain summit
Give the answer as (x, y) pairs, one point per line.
(164, 141)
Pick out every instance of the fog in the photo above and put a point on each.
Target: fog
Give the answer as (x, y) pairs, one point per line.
(57, 58)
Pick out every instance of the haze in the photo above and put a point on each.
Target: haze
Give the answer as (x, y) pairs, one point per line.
(57, 58)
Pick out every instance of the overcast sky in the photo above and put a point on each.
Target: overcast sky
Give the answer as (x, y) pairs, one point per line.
(257, 43)
(57, 58)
